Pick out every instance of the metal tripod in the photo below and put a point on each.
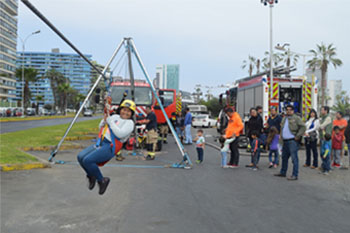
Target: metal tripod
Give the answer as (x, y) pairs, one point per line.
(130, 45)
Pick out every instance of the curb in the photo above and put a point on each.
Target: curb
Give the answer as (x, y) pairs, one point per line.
(27, 166)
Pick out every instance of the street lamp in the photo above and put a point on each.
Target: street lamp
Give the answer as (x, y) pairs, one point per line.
(23, 49)
(283, 48)
(271, 4)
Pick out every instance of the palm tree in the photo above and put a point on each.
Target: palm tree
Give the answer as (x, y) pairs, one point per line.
(250, 64)
(323, 56)
(63, 90)
(56, 78)
(289, 57)
(30, 75)
(266, 60)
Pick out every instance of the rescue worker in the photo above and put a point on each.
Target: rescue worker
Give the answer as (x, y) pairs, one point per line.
(114, 130)
(164, 130)
(152, 135)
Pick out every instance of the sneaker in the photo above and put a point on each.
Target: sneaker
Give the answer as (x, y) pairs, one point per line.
(325, 173)
(150, 157)
(225, 166)
(254, 168)
(337, 165)
(271, 165)
(292, 178)
(343, 168)
(103, 185)
(280, 175)
(249, 165)
(313, 167)
(234, 166)
(275, 166)
(198, 161)
(305, 165)
(92, 182)
(119, 158)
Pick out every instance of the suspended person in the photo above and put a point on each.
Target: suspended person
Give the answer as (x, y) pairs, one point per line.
(115, 129)
(233, 130)
(311, 137)
(188, 125)
(152, 135)
(292, 129)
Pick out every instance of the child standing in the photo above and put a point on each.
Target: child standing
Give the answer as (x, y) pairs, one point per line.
(325, 154)
(337, 142)
(255, 150)
(272, 143)
(225, 146)
(200, 144)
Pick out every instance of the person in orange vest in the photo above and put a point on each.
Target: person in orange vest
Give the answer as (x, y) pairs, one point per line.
(114, 131)
(234, 127)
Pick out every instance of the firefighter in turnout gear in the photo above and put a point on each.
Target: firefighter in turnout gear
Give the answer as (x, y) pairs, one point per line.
(152, 135)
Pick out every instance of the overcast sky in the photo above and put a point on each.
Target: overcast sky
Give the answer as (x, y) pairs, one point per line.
(209, 39)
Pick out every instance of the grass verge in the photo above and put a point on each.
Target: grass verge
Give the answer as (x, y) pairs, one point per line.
(11, 144)
(33, 118)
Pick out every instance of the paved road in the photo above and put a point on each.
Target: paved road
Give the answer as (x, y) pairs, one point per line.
(7, 127)
(205, 199)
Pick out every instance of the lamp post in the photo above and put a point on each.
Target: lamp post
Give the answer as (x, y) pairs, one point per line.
(271, 4)
(23, 49)
(304, 55)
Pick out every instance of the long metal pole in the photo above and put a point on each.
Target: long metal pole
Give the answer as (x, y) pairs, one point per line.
(23, 48)
(271, 54)
(53, 153)
(132, 87)
(181, 147)
(48, 23)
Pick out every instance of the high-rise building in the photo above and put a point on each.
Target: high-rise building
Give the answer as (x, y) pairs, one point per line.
(334, 89)
(8, 44)
(167, 76)
(72, 66)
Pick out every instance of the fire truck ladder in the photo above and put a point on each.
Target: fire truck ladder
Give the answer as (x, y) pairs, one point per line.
(186, 162)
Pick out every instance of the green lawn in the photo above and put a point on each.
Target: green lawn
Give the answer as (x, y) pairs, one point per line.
(11, 143)
(32, 118)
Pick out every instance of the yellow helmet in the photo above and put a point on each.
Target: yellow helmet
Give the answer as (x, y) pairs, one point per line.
(129, 104)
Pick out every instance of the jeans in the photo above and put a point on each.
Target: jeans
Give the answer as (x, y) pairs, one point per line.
(200, 153)
(290, 149)
(255, 158)
(91, 156)
(336, 156)
(223, 158)
(326, 163)
(311, 146)
(275, 152)
(234, 160)
(179, 132)
(349, 153)
(188, 134)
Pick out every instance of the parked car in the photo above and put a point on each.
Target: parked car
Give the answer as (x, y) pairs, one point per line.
(87, 112)
(203, 121)
(30, 112)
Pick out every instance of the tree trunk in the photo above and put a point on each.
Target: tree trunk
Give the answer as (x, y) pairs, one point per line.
(323, 83)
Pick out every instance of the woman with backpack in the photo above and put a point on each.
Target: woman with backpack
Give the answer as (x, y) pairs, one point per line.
(311, 137)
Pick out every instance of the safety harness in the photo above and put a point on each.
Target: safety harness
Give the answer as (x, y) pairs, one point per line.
(116, 144)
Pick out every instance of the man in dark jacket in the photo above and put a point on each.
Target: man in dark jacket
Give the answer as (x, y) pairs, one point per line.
(255, 123)
(274, 119)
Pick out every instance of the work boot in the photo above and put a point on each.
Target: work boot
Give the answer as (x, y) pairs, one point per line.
(92, 182)
(103, 185)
